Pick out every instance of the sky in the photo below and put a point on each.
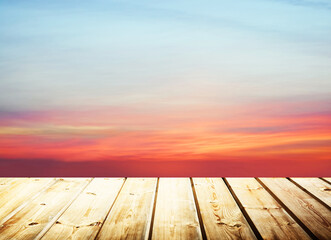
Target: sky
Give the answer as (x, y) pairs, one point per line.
(163, 82)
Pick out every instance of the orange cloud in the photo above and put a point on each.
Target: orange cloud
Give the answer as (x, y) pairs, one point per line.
(167, 135)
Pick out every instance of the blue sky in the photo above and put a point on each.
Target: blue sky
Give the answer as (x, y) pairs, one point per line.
(57, 54)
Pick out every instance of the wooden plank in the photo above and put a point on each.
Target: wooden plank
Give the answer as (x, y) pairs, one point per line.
(327, 179)
(175, 212)
(4, 181)
(270, 219)
(9, 184)
(221, 216)
(317, 187)
(19, 192)
(131, 214)
(27, 223)
(84, 217)
(311, 213)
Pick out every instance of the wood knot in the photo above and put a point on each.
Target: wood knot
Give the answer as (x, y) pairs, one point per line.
(228, 223)
(33, 223)
(91, 193)
(253, 188)
(95, 224)
(290, 223)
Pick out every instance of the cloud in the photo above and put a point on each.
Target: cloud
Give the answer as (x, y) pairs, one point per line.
(169, 134)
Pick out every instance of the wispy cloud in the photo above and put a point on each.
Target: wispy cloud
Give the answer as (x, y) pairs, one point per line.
(246, 130)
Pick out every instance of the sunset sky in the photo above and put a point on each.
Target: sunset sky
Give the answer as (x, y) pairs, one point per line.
(149, 82)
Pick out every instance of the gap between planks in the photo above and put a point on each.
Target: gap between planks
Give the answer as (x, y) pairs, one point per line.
(309, 213)
(316, 188)
(56, 217)
(21, 204)
(196, 204)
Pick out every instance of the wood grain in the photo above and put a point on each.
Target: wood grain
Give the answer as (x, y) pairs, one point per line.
(27, 223)
(84, 217)
(317, 187)
(4, 181)
(312, 213)
(131, 214)
(327, 179)
(8, 185)
(175, 213)
(271, 220)
(221, 215)
(140, 208)
(16, 193)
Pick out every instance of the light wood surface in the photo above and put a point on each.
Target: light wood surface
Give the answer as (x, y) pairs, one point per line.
(27, 223)
(311, 213)
(271, 220)
(175, 213)
(84, 217)
(19, 192)
(6, 181)
(327, 179)
(221, 215)
(130, 217)
(319, 188)
(165, 208)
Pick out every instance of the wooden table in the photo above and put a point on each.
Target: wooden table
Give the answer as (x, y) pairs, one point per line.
(165, 208)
